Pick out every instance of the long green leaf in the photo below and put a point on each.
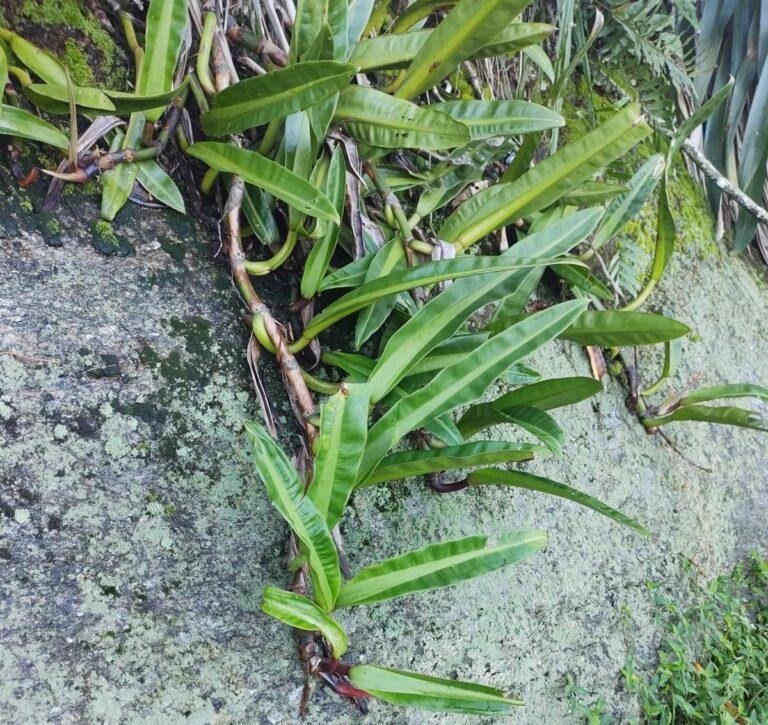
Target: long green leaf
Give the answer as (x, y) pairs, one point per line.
(166, 25)
(389, 259)
(628, 205)
(302, 613)
(258, 100)
(256, 207)
(320, 255)
(266, 174)
(665, 233)
(3, 72)
(535, 421)
(471, 25)
(381, 120)
(700, 115)
(592, 192)
(54, 99)
(406, 464)
(18, 122)
(486, 119)
(154, 179)
(612, 328)
(467, 380)
(523, 479)
(441, 317)
(425, 274)
(38, 61)
(286, 492)
(721, 392)
(552, 393)
(132, 102)
(536, 189)
(343, 430)
(438, 565)
(722, 414)
(408, 689)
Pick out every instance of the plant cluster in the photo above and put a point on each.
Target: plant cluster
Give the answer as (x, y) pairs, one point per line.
(356, 151)
(713, 661)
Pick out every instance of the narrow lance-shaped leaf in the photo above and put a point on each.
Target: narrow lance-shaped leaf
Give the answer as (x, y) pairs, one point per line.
(552, 393)
(439, 319)
(343, 430)
(612, 328)
(21, 123)
(425, 274)
(154, 179)
(722, 414)
(487, 119)
(266, 174)
(471, 25)
(465, 381)
(381, 120)
(665, 232)
(405, 464)
(132, 102)
(117, 183)
(38, 61)
(536, 189)
(397, 50)
(53, 98)
(721, 392)
(166, 25)
(3, 72)
(258, 100)
(322, 250)
(523, 479)
(438, 565)
(256, 207)
(286, 492)
(592, 192)
(408, 689)
(538, 423)
(302, 613)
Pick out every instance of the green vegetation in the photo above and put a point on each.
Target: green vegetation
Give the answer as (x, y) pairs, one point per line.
(713, 660)
(368, 188)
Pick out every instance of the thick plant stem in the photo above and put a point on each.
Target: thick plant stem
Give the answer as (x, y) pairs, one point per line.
(261, 268)
(711, 172)
(203, 63)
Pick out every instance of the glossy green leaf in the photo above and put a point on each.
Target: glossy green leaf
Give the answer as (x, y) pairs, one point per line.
(38, 61)
(343, 430)
(406, 464)
(471, 25)
(152, 177)
(486, 119)
(515, 303)
(665, 233)
(3, 73)
(299, 156)
(465, 381)
(700, 115)
(350, 275)
(18, 122)
(132, 102)
(628, 206)
(258, 100)
(723, 415)
(397, 50)
(438, 565)
(551, 393)
(722, 392)
(431, 693)
(541, 60)
(592, 192)
(309, 19)
(378, 119)
(613, 328)
(389, 259)
(302, 613)
(322, 250)
(286, 492)
(423, 275)
(523, 479)
(266, 174)
(55, 99)
(117, 183)
(258, 213)
(538, 423)
(441, 317)
(166, 26)
(545, 183)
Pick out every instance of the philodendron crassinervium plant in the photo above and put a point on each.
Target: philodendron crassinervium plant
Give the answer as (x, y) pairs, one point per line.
(349, 153)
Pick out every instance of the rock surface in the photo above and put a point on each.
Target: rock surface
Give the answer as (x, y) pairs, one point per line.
(134, 540)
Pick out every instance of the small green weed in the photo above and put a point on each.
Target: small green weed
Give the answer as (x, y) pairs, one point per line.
(713, 662)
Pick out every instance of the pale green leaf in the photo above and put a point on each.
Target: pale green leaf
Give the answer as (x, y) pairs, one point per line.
(154, 179)
(18, 122)
(486, 119)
